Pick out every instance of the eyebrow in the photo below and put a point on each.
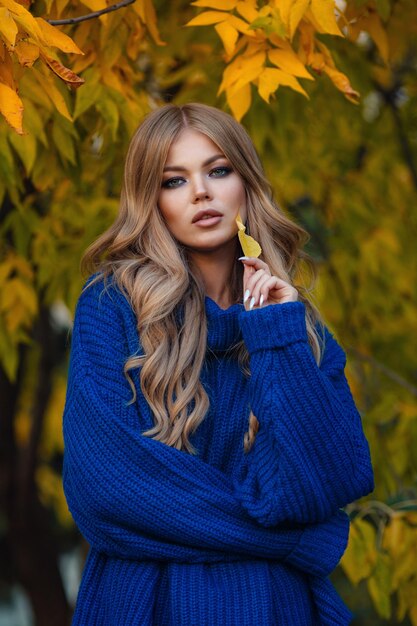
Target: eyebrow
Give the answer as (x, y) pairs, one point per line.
(178, 168)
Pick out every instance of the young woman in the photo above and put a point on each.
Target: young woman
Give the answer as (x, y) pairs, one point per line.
(211, 438)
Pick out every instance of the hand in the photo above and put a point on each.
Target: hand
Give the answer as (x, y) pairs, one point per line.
(260, 288)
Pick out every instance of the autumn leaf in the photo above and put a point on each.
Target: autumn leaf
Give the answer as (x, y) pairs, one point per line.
(52, 36)
(323, 12)
(207, 18)
(249, 245)
(292, 11)
(11, 107)
(221, 5)
(289, 62)
(26, 53)
(65, 74)
(8, 26)
(229, 36)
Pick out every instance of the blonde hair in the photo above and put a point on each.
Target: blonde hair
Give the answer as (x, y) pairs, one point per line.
(152, 268)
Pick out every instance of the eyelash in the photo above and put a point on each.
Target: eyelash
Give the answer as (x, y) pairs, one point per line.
(171, 182)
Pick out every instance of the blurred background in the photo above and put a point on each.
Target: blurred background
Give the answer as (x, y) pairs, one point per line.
(328, 92)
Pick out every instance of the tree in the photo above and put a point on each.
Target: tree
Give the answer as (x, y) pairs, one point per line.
(338, 141)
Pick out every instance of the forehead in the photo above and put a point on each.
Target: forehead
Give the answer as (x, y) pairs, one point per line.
(191, 146)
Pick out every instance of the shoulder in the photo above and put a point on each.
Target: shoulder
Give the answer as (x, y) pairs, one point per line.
(104, 319)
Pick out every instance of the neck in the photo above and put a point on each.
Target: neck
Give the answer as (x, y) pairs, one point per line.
(216, 269)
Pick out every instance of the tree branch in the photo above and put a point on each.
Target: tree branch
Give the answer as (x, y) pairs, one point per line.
(90, 16)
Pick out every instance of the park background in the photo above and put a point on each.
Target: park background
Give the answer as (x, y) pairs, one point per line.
(328, 92)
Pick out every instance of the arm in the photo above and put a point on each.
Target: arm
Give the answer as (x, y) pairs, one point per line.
(135, 497)
(310, 456)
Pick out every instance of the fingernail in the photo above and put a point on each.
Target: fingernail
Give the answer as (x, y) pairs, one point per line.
(261, 300)
(246, 296)
(252, 302)
(243, 258)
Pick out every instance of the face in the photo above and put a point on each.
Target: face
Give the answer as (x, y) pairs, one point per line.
(201, 194)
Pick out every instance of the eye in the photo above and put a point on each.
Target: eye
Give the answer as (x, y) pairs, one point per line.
(221, 171)
(172, 183)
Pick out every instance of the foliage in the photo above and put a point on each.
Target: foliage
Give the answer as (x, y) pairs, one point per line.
(347, 173)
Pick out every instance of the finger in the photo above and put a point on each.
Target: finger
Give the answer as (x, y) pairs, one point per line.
(254, 262)
(253, 282)
(258, 292)
(278, 290)
(248, 271)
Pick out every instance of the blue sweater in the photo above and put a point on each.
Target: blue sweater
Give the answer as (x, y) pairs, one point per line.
(223, 537)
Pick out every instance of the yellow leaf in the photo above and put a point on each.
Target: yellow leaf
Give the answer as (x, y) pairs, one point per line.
(221, 5)
(324, 15)
(60, 6)
(55, 96)
(241, 26)
(379, 586)
(150, 21)
(288, 61)
(242, 70)
(14, 7)
(95, 5)
(249, 245)
(25, 146)
(24, 19)
(239, 101)
(270, 79)
(247, 9)
(374, 27)
(291, 12)
(228, 35)
(60, 70)
(56, 38)
(6, 70)
(8, 26)
(360, 555)
(11, 107)
(26, 53)
(342, 83)
(208, 17)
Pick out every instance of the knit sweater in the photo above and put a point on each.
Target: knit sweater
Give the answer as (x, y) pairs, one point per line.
(222, 537)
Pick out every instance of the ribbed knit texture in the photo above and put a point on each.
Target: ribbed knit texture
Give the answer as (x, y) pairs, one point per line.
(222, 537)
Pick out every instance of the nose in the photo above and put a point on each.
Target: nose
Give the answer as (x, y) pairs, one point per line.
(201, 191)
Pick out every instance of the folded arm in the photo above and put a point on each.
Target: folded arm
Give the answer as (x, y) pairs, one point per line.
(310, 456)
(134, 497)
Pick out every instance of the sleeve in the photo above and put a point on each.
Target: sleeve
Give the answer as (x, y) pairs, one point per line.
(310, 455)
(136, 498)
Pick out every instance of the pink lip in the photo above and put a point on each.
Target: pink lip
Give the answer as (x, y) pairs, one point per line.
(198, 217)
(208, 221)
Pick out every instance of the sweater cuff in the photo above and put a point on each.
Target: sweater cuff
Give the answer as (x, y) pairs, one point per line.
(273, 326)
(321, 546)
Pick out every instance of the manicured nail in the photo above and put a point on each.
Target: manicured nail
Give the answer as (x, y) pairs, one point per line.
(251, 303)
(246, 296)
(261, 300)
(243, 258)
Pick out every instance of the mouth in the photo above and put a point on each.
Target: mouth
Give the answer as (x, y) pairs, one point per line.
(207, 215)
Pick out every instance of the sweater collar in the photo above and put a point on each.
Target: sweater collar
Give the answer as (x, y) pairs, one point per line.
(223, 329)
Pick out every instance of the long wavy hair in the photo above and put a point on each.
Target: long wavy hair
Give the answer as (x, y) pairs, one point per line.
(154, 272)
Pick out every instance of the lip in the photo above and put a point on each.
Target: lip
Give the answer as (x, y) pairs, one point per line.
(198, 217)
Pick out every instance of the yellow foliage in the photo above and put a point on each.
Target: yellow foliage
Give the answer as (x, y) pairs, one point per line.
(292, 11)
(360, 556)
(8, 26)
(11, 107)
(249, 245)
(271, 30)
(229, 35)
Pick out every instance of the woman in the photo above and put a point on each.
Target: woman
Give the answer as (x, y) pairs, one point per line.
(211, 438)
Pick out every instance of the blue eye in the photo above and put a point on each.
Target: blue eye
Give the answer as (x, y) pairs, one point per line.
(171, 183)
(219, 172)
